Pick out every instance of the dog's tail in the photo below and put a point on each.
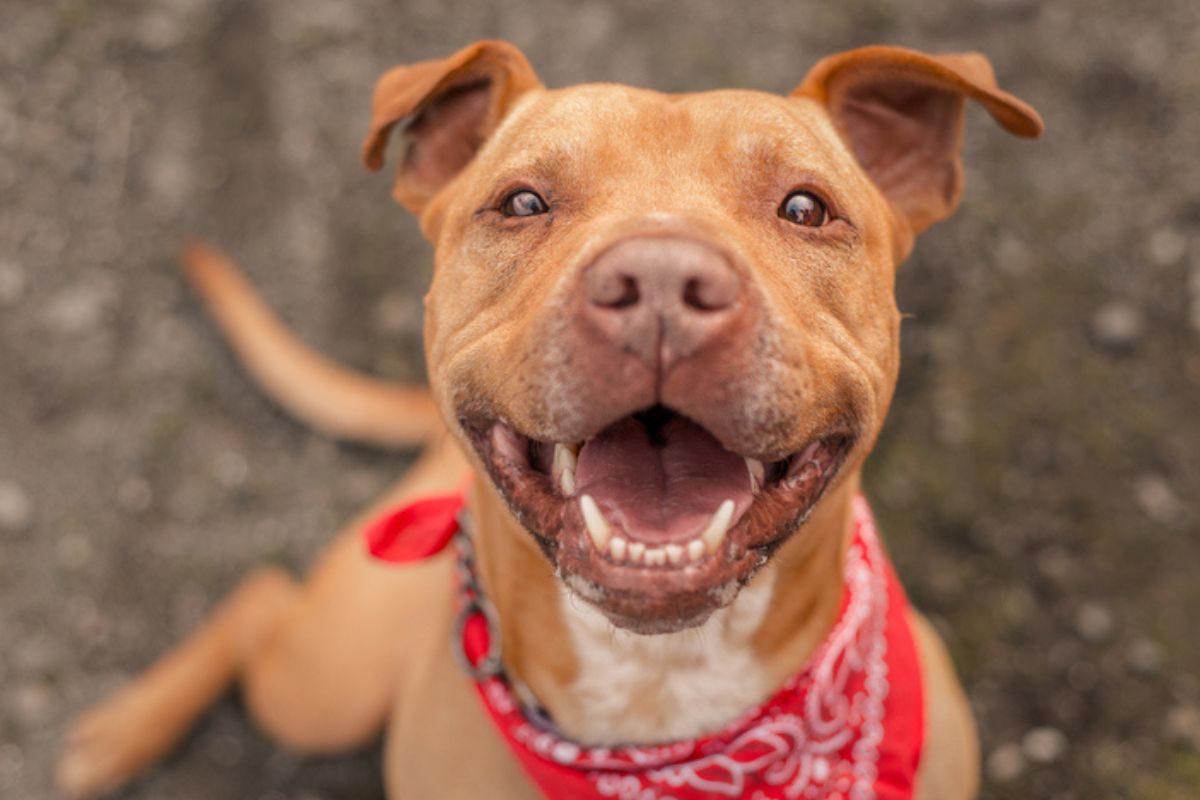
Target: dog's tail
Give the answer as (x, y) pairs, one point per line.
(329, 397)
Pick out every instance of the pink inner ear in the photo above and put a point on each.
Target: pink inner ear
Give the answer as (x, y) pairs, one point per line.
(446, 134)
(907, 136)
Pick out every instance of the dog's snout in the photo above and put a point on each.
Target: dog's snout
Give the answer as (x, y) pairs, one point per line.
(661, 298)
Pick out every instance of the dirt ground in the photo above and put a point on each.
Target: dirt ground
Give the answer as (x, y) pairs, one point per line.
(1037, 480)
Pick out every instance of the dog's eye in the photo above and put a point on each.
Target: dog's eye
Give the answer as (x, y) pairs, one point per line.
(523, 203)
(804, 208)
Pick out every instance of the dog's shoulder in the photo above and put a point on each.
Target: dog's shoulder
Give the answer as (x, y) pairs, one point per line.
(949, 767)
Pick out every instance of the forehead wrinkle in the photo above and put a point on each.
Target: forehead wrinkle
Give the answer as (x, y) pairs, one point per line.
(547, 163)
(787, 139)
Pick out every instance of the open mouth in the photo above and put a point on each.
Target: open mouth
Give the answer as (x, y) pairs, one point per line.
(652, 520)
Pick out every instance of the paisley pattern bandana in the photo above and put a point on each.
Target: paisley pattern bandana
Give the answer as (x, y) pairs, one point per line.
(848, 726)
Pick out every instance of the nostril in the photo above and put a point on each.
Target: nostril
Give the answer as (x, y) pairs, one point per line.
(629, 294)
(620, 292)
(705, 295)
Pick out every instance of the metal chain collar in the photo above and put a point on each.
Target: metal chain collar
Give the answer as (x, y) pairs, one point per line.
(473, 602)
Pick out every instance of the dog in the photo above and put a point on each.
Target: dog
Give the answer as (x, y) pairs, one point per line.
(662, 338)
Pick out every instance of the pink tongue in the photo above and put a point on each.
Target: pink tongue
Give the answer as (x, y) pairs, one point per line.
(661, 491)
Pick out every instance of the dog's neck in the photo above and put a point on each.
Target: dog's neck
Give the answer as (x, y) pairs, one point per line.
(603, 685)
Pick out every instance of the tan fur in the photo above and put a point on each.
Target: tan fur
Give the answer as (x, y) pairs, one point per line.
(950, 769)
(359, 647)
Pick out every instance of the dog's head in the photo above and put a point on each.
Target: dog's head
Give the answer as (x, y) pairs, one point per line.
(664, 324)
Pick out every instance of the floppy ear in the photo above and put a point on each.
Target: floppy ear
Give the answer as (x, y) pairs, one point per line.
(451, 106)
(901, 113)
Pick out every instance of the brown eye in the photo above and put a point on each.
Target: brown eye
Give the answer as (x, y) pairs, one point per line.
(804, 208)
(523, 203)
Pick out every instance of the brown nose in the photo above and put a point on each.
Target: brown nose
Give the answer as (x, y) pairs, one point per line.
(661, 298)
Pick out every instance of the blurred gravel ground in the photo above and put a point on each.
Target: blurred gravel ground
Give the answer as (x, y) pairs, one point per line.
(1038, 478)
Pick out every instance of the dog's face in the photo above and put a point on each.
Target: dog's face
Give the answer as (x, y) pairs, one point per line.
(642, 300)
(665, 325)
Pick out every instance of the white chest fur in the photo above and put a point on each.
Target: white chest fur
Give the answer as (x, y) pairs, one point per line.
(634, 689)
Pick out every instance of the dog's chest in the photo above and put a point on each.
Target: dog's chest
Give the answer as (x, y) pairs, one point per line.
(638, 689)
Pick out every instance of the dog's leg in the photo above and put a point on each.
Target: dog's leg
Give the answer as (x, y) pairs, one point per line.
(317, 663)
(950, 767)
(114, 740)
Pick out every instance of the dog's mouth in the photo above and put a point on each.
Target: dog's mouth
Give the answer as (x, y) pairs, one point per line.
(652, 520)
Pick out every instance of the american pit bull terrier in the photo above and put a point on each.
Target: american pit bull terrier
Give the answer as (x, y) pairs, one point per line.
(662, 337)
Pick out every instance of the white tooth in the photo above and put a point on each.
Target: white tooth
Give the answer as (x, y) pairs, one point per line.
(597, 527)
(655, 557)
(564, 468)
(756, 470)
(566, 481)
(718, 526)
(674, 553)
(636, 551)
(616, 548)
(695, 549)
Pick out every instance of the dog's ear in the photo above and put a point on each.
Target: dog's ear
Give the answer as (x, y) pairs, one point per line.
(451, 106)
(901, 113)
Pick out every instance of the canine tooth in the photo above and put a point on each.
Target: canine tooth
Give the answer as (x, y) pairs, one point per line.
(718, 526)
(636, 551)
(564, 468)
(616, 548)
(566, 482)
(674, 553)
(597, 527)
(757, 471)
(655, 556)
(695, 549)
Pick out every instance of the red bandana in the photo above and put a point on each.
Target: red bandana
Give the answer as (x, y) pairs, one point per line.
(848, 726)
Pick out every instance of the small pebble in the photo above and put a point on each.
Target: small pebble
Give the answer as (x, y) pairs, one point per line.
(16, 509)
(77, 309)
(1006, 763)
(1057, 564)
(1145, 657)
(31, 703)
(1044, 745)
(1167, 246)
(231, 469)
(159, 31)
(1117, 325)
(1182, 726)
(1093, 622)
(1157, 499)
